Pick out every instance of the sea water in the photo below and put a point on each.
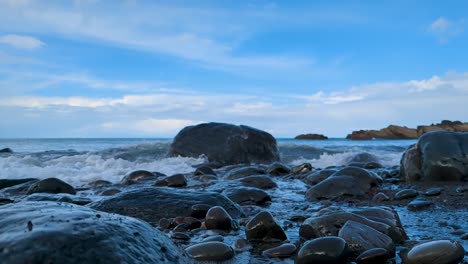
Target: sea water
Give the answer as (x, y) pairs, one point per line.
(80, 161)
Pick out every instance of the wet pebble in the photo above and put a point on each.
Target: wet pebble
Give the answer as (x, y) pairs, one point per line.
(243, 172)
(302, 169)
(283, 251)
(247, 195)
(218, 218)
(180, 236)
(258, 181)
(433, 191)
(210, 251)
(373, 256)
(204, 170)
(263, 227)
(241, 244)
(439, 251)
(278, 169)
(419, 204)
(405, 194)
(200, 210)
(192, 222)
(380, 197)
(213, 238)
(139, 176)
(51, 185)
(324, 250)
(165, 223)
(176, 180)
(110, 192)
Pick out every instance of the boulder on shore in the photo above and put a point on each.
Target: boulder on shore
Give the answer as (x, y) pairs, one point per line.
(311, 136)
(437, 156)
(225, 144)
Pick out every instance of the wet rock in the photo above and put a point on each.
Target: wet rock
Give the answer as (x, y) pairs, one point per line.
(206, 178)
(433, 191)
(406, 194)
(4, 201)
(180, 236)
(283, 251)
(177, 180)
(51, 185)
(258, 181)
(243, 172)
(210, 251)
(152, 204)
(373, 256)
(380, 197)
(98, 183)
(213, 238)
(199, 210)
(191, 222)
(439, 251)
(387, 216)
(302, 169)
(165, 223)
(319, 176)
(247, 195)
(278, 169)
(363, 157)
(311, 137)
(225, 144)
(462, 189)
(59, 197)
(5, 183)
(325, 250)
(218, 218)
(6, 150)
(50, 232)
(204, 170)
(438, 156)
(263, 227)
(419, 204)
(361, 237)
(241, 244)
(110, 192)
(140, 176)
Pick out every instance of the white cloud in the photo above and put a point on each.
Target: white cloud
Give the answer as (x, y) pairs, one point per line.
(444, 29)
(21, 42)
(150, 126)
(441, 24)
(334, 98)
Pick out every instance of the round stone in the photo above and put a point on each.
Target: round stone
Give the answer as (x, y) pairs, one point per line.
(373, 256)
(210, 251)
(263, 227)
(405, 194)
(218, 218)
(439, 251)
(283, 251)
(324, 250)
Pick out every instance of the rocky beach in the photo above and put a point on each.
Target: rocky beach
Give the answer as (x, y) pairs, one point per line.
(241, 198)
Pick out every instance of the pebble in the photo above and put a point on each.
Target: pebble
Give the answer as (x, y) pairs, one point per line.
(218, 218)
(418, 204)
(263, 227)
(405, 194)
(433, 191)
(380, 197)
(213, 238)
(204, 170)
(165, 223)
(283, 251)
(324, 250)
(176, 180)
(200, 210)
(180, 236)
(278, 169)
(373, 256)
(211, 251)
(439, 251)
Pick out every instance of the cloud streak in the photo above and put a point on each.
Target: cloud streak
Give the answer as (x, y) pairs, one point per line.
(21, 42)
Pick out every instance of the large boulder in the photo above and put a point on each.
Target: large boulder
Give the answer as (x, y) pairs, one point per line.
(153, 203)
(50, 232)
(225, 144)
(437, 156)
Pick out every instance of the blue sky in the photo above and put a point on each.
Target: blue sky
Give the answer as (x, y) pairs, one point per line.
(89, 68)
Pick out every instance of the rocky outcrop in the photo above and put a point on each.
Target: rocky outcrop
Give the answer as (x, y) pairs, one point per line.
(402, 132)
(225, 144)
(51, 232)
(311, 136)
(437, 156)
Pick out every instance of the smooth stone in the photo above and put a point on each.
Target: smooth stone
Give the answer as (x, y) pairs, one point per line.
(153, 203)
(192, 222)
(319, 176)
(210, 251)
(433, 191)
(139, 176)
(439, 251)
(180, 236)
(205, 178)
(51, 185)
(199, 210)
(360, 238)
(324, 250)
(243, 172)
(5, 183)
(258, 181)
(364, 157)
(263, 227)
(278, 169)
(98, 183)
(213, 238)
(247, 195)
(176, 180)
(51, 232)
(218, 218)
(418, 204)
(110, 192)
(204, 170)
(302, 169)
(373, 256)
(165, 223)
(405, 194)
(283, 251)
(6, 150)
(380, 197)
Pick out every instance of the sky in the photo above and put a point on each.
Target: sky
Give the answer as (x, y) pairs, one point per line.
(130, 68)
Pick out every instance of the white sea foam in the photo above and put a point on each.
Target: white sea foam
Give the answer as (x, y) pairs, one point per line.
(81, 169)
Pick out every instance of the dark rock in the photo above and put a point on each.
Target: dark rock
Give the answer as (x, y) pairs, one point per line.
(364, 157)
(205, 178)
(380, 197)
(373, 256)
(213, 238)
(319, 176)
(180, 236)
(140, 176)
(247, 195)
(302, 169)
(311, 136)
(225, 144)
(433, 191)
(192, 222)
(6, 150)
(418, 204)
(50, 232)
(390, 132)
(278, 169)
(110, 192)
(210, 251)
(4, 201)
(58, 197)
(282, 251)
(325, 250)
(177, 180)
(204, 170)
(165, 223)
(405, 194)
(51, 185)
(218, 218)
(360, 238)
(439, 251)
(438, 156)
(243, 172)
(5, 183)
(263, 227)
(152, 204)
(98, 183)
(199, 210)
(258, 181)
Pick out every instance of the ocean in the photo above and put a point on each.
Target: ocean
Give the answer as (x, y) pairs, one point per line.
(80, 161)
